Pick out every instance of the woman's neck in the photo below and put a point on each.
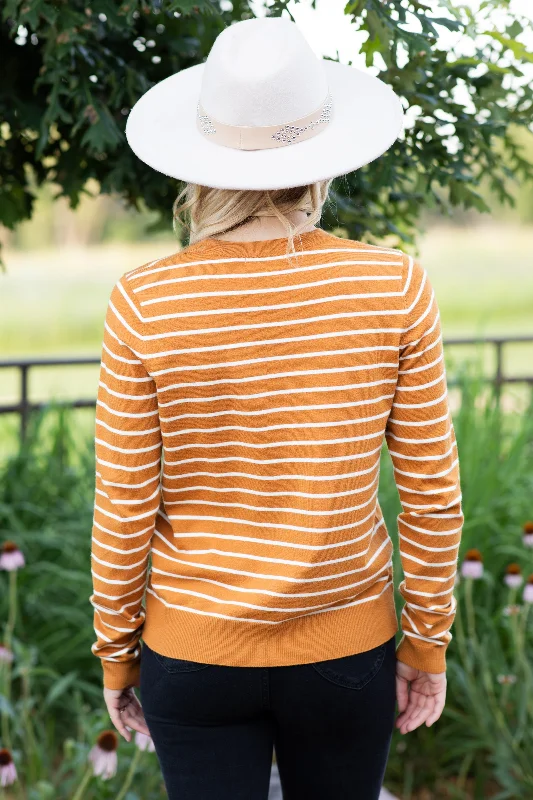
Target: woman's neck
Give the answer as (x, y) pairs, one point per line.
(265, 227)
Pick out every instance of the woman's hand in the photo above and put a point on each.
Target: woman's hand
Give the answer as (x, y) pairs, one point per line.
(124, 709)
(421, 701)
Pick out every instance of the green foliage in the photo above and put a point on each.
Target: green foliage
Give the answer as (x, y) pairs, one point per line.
(46, 507)
(72, 70)
(484, 739)
(55, 711)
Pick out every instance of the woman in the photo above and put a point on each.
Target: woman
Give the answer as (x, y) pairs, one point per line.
(247, 385)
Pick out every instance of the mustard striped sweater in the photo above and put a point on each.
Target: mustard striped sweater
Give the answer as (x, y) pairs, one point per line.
(243, 402)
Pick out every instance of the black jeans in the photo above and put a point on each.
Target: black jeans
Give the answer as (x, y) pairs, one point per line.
(215, 727)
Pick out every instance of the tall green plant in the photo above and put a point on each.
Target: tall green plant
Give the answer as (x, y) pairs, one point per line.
(481, 747)
(72, 71)
(483, 744)
(46, 508)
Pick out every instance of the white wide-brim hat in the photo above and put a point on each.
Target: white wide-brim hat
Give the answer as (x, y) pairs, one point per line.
(264, 112)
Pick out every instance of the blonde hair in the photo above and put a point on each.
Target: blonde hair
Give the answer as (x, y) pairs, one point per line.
(204, 211)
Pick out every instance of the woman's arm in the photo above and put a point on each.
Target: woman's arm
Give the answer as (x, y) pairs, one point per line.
(127, 496)
(421, 442)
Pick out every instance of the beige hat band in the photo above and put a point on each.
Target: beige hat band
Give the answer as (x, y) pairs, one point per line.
(250, 137)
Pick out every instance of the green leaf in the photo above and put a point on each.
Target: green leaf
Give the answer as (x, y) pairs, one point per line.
(103, 132)
(451, 24)
(6, 707)
(515, 29)
(59, 688)
(355, 7)
(518, 49)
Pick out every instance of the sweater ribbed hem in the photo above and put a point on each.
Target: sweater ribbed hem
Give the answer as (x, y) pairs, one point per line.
(422, 655)
(303, 640)
(121, 674)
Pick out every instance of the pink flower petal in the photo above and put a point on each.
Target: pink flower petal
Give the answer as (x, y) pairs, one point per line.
(144, 742)
(527, 595)
(472, 569)
(8, 774)
(11, 560)
(6, 656)
(104, 762)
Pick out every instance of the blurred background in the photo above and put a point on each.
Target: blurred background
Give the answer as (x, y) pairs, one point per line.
(61, 263)
(61, 266)
(77, 211)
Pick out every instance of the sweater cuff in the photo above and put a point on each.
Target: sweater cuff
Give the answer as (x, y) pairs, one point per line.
(422, 655)
(121, 674)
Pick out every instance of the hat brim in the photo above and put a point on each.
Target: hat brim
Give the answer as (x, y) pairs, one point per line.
(367, 118)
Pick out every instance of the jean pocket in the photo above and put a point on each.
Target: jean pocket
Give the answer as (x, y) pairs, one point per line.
(354, 671)
(175, 665)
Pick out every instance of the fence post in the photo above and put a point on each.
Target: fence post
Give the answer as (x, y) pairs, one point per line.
(498, 378)
(24, 406)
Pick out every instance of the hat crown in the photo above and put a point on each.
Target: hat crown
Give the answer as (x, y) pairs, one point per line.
(260, 72)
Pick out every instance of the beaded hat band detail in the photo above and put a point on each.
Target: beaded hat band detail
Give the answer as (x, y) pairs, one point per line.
(250, 137)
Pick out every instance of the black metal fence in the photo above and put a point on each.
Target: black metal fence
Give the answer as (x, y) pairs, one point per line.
(24, 406)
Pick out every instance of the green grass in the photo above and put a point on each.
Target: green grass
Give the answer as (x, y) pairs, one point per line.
(482, 277)
(53, 302)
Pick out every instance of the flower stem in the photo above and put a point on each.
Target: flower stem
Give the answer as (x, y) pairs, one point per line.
(521, 655)
(463, 772)
(500, 718)
(84, 781)
(523, 627)
(458, 622)
(8, 637)
(504, 697)
(12, 612)
(129, 777)
(31, 745)
(512, 595)
(470, 614)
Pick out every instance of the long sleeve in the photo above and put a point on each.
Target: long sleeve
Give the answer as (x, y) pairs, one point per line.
(127, 493)
(422, 445)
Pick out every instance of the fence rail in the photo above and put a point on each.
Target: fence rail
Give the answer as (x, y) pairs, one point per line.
(24, 407)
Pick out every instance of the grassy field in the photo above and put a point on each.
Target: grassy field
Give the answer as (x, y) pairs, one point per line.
(52, 302)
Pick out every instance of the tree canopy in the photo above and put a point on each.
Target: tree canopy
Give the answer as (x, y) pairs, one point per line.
(72, 70)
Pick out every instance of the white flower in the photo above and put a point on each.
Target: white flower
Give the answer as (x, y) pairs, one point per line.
(10, 557)
(103, 755)
(8, 773)
(144, 742)
(6, 655)
(527, 595)
(513, 576)
(472, 566)
(527, 538)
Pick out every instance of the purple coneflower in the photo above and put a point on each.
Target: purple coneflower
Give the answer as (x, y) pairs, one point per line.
(527, 595)
(6, 655)
(10, 557)
(472, 566)
(103, 756)
(144, 742)
(512, 611)
(8, 773)
(513, 576)
(527, 538)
